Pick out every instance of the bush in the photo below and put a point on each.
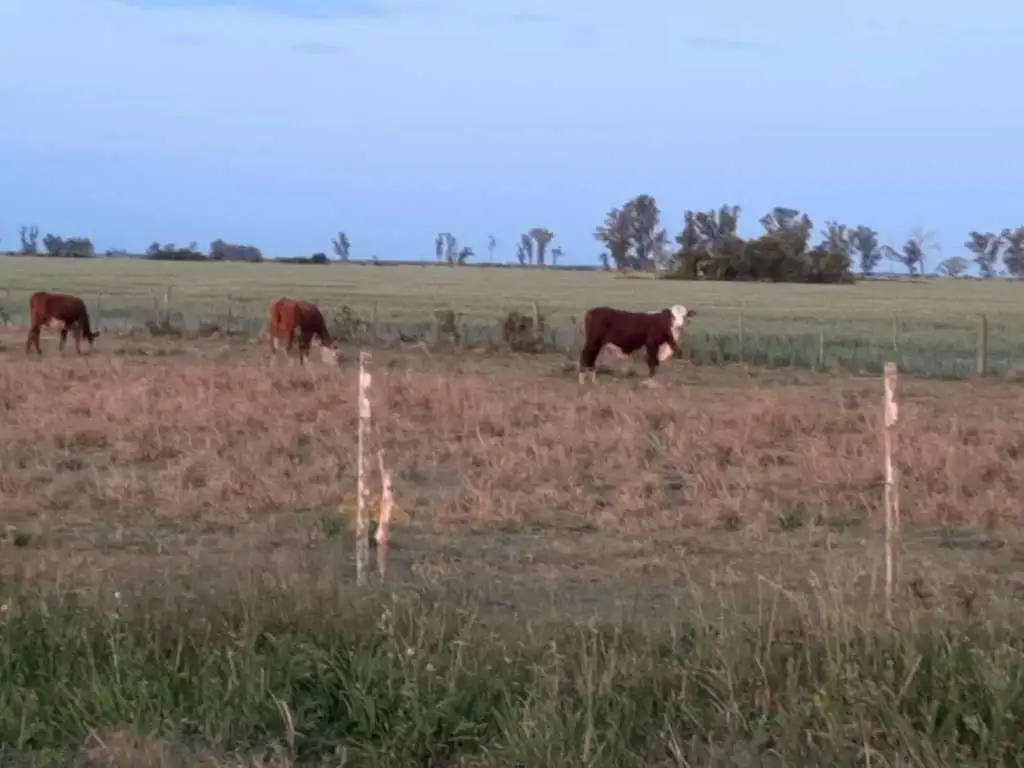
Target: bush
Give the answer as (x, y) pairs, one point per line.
(769, 258)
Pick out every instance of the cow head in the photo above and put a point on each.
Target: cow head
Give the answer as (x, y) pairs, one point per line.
(679, 317)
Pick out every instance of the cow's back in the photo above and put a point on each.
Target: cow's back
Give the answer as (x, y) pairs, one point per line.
(45, 306)
(618, 327)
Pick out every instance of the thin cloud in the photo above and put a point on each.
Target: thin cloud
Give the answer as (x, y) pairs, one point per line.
(188, 41)
(530, 18)
(304, 9)
(319, 48)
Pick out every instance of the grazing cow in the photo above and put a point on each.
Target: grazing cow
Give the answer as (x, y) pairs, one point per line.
(58, 311)
(658, 333)
(290, 315)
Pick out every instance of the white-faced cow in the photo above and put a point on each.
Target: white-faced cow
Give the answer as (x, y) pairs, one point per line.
(657, 333)
(60, 311)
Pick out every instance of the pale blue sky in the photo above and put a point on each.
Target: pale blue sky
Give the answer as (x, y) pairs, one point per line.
(277, 122)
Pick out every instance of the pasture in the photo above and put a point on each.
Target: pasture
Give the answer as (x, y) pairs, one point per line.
(603, 576)
(930, 326)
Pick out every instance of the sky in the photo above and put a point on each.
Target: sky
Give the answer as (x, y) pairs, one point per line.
(278, 123)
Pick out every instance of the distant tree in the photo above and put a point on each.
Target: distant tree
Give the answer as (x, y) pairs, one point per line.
(791, 227)
(1013, 251)
(465, 254)
(704, 234)
(29, 240)
(116, 253)
(985, 248)
(606, 261)
(648, 240)
(342, 246)
(524, 251)
(492, 246)
(80, 247)
(864, 241)
(712, 249)
(439, 247)
(616, 235)
(221, 250)
(556, 255)
(171, 252)
(541, 240)
(838, 238)
(319, 258)
(911, 256)
(956, 266)
(451, 249)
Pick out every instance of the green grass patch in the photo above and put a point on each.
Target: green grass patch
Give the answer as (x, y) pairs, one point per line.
(416, 681)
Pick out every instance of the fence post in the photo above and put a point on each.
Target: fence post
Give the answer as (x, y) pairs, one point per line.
(167, 304)
(373, 324)
(742, 339)
(362, 491)
(387, 503)
(895, 331)
(892, 495)
(99, 311)
(982, 363)
(821, 348)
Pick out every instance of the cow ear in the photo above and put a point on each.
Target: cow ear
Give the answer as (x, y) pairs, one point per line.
(691, 313)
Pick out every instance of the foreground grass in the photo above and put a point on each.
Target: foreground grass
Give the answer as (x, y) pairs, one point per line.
(312, 675)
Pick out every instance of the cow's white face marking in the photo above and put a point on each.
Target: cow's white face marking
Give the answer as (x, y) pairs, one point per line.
(679, 315)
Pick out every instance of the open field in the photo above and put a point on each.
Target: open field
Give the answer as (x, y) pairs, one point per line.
(608, 576)
(931, 326)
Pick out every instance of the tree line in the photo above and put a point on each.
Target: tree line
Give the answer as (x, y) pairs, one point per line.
(708, 247)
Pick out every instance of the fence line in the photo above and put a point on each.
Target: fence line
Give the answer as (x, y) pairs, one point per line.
(798, 348)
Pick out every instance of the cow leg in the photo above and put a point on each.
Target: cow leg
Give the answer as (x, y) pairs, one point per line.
(305, 340)
(63, 338)
(76, 333)
(653, 357)
(588, 361)
(33, 338)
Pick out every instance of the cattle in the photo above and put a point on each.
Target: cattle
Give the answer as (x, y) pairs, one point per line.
(60, 311)
(290, 315)
(657, 333)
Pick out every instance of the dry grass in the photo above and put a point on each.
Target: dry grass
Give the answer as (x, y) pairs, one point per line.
(138, 456)
(184, 500)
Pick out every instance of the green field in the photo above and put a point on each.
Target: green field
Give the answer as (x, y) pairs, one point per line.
(930, 326)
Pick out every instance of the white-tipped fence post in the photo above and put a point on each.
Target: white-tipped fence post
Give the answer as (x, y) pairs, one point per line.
(362, 491)
(387, 503)
(892, 492)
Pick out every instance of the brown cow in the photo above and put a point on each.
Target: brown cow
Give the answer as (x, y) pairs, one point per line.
(657, 333)
(290, 315)
(58, 311)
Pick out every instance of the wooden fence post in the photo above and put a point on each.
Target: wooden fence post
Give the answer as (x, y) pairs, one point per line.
(362, 490)
(387, 503)
(742, 339)
(982, 363)
(892, 495)
(99, 311)
(821, 348)
(895, 331)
